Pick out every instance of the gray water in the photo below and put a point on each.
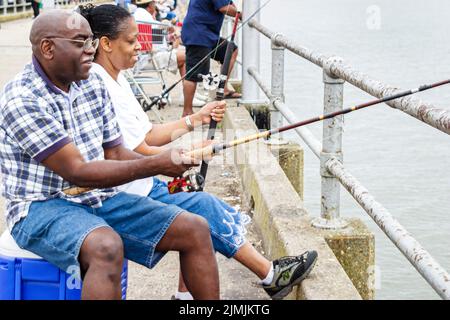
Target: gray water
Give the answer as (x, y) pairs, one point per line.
(403, 162)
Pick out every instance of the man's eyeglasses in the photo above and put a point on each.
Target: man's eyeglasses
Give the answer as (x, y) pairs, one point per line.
(88, 44)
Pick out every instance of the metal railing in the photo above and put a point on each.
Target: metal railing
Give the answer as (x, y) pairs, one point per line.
(329, 151)
(19, 6)
(14, 6)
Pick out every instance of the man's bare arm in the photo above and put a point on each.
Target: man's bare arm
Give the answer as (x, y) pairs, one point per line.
(229, 10)
(121, 153)
(121, 166)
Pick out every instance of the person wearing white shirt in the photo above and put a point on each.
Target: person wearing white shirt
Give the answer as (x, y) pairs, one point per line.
(118, 51)
(176, 60)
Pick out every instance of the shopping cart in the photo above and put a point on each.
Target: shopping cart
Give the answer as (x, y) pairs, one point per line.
(153, 39)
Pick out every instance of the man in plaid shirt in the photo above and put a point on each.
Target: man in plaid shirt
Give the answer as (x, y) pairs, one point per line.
(58, 130)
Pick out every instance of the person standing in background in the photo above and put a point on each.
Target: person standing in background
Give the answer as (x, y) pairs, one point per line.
(35, 4)
(200, 35)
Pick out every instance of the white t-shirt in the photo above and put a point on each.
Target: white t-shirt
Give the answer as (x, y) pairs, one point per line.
(133, 122)
(142, 15)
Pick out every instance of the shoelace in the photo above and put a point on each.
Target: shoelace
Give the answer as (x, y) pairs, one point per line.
(289, 260)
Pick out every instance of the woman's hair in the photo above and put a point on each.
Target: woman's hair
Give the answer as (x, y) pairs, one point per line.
(106, 20)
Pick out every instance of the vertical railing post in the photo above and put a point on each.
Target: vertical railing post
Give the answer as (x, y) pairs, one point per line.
(250, 53)
(331, 148)
(277, 83)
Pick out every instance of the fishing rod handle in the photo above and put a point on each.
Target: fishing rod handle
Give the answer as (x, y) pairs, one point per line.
(201, 153)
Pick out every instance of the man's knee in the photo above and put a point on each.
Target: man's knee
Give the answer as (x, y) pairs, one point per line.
(102, 245)
(196, 227)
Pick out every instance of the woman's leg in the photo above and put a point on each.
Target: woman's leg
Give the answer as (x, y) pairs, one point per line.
(227, 227)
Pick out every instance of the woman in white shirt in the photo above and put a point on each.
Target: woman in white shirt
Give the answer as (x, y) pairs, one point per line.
(118, 50)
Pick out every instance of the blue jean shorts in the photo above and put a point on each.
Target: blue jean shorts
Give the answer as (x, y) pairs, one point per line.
(55, 229)
(226, 224)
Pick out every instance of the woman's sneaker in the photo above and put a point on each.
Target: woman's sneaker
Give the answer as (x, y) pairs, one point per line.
(288, 272)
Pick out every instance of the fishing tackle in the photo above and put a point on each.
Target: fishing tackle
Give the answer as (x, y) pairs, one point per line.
(192, 181)
(211, 81)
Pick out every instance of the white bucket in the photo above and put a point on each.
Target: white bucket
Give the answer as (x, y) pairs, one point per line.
(9, 248)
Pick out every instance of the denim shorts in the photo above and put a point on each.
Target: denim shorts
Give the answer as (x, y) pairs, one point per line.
(55, 229)
(226, 224)
(195, 54)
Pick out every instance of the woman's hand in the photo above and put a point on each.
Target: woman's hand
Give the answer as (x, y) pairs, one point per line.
(214, 110)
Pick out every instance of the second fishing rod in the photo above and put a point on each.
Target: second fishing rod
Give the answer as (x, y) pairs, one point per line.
(220, 93)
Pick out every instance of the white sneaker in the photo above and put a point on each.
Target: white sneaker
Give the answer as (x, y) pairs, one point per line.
(197, 102)
(200, 96)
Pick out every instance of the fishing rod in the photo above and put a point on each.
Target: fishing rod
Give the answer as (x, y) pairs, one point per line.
(155, 100)
(192, 182)
(220, 90)
(143, 94)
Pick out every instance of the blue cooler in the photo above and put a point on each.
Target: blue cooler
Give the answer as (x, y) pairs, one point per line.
(26, 276)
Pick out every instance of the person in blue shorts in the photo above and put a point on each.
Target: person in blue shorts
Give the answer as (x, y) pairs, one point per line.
(117, 51)
(200, 35)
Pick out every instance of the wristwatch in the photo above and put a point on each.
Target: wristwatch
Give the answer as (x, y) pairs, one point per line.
(187, 119)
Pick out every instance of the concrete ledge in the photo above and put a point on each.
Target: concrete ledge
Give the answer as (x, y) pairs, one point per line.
(280, 216)
(354, 247)
(236, 84)
(290, 157)
(15, 16)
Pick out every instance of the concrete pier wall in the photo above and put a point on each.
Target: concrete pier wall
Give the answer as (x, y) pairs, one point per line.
(345, 257)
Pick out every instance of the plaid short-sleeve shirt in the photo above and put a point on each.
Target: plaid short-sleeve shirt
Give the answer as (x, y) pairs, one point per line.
(36, 120)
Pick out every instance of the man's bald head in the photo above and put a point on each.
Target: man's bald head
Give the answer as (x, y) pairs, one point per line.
(56, 23)
(57, 39)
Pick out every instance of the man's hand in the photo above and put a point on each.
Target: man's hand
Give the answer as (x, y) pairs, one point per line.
(202, 145)
(174, 162)
(214, 110)
(229, 10)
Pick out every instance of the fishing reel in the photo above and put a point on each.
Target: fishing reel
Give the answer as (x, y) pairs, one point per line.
(211, 81)
(191, 181)
(161, 103)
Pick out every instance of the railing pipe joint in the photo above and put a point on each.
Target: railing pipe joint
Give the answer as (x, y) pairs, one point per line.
(324, 162)
(328, 66)
(275, 41)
